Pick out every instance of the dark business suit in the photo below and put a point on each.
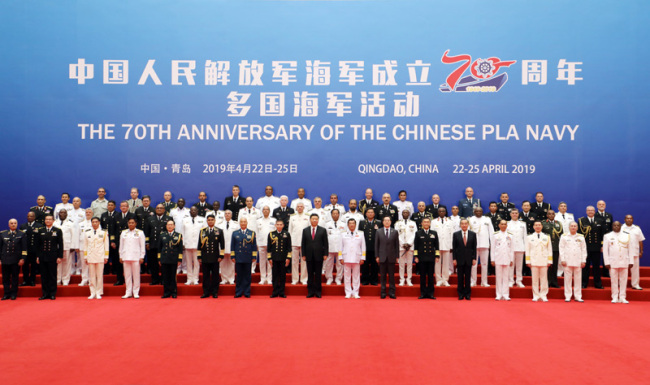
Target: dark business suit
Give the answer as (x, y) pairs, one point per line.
(387, 250)
(464, 255)
(314, 251)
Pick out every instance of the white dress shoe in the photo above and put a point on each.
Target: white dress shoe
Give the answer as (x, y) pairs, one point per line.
(637, 288)
(188, 283)
(534, 299)
(347, 297)
(485, 285)
(329, 281)
(579, 300)
(447, 284)
(125, 296)
(408, 282)
(507, 298)
(519, 284)
(623, 301)
(544, 299)
(614, 301)
(567, 300)
(92, 296)
(401, 283)
(338, 283)
(357, 296)
(136, 296)
(99, 297)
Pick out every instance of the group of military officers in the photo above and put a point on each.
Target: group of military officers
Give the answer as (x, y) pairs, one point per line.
(227, 245)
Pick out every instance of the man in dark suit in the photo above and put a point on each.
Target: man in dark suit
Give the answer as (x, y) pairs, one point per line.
(464, 253)
(234, 203)
(368, 203)
(466, 206)
(591, 227)
(540, 208)
(434, 206)
(50, 254)
(315, 250)
(386, 254)
(143, 212)
(30, 229)
(154, 227)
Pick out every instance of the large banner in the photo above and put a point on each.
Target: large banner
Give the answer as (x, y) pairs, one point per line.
(426, 96)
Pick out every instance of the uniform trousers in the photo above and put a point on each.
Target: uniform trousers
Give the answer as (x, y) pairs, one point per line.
(227, 268)
(298, 266)
(634, 272)
(81, 262)
(76, 260)
(352, 273)
(132, 277)
(482, 255)
(169, 278)
(552, 270)
(265, 266)
(96, 278)
(502, 273)
(63, 269)
(405, 263)
(314, 276)
(518, 265)
(10, 278)
(193, 266)
(279, 272)
(388, 269)
(154, 268)
(48, 277)
(442, 271)
(210, 278)
(329, 268)
(464, 280)
(29, 268)
(243, 279)
(370, 270)
(426, 278)
(540, 281)
(573, 274)
(593, 263)
(619, 282)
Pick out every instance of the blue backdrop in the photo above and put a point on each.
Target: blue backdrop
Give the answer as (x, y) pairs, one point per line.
(573, 66)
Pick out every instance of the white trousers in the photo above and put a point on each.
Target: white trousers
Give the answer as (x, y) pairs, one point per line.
(572, 273)
(193, 266)
(560, 269)
(183, 266)
(265, 265)
(298, 266)
(540, 281)
(352, 279)
(634, 272)
(442, 273)
(253, 265)
(84, 268)
(96, 278)
(63, 268)
(482, 255)
(619, 282)
(405, 263)
(132, 277)
(451, 263)
(329, 267)
(227, 270)
(519, 265)
(502, 273)
(75, 261)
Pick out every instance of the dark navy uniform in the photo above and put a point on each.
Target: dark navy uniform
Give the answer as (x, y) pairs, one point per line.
(168, 206)
(210, 251)
(365, 205)
(370, 269)
(433, 210)
(41, 212)
(495, 218)
(279, 251)
(142, 214)
(203, 208)
(418, 217)
(50, 249)
(234, 206)
(540, 210)
(30, 266)
(426, 248)
(593, 232)
(390, 211)
(170, 254)
(13, 249)
(466, 207)
(529, 220)
(554, 230)
(243, 249)
(152, 229)
(283, 215)
(504, 210)
(107, 221)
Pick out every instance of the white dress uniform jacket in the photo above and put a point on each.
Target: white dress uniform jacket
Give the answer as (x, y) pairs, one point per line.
(219, 217)
(306, 202)
(573, 249)
(273, 202)
(502, 248)
(70, 233)
(401, 206)
(95, 245)
(565, 219)
(192, 230)
(406, 230)
(518, 231)
(334, 232)
(484, 230)
(352, 247)
(67, 206)
(636, 236)
(228, 228)
(445, 229)
(616, 250)
(328, 209)
(178, 215)
(297, 223)
(539, 251)
(252, 215)
(264, 227)
(323, 216)
(132, 245)
(357, 216)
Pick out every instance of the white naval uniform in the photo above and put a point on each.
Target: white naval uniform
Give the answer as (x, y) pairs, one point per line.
(406, 230)
(334, 232)
(445, 228)
(328, 209)
(178, 215)
(273, 202)
(83, 266)
(401, 206)
(352, 250)
(252, 215)
(573, 252)
(357, 216)
(539, 254)
(77, 216)
(519, 232)
(456, 221)
(264, 227)
(636, 237)
(68, 207)
(503, 255)
(306, 203)
(322, 215)
(565, 219)
(219, 217)
(226, 266)
(616, 254)
(191, 232)
(484, 230)
(95, 245)
(297, 223)
(70, 239)
(132, 250)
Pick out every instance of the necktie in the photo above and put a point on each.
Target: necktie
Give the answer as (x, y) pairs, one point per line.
(227, 225)
(538, 236)
(465, 238)
(591, 221)
(192, 220)
(313, 233)
(426, 232)
(249, 211)
(386, 233)
(563, 217)
(134, 202)
(95, 232)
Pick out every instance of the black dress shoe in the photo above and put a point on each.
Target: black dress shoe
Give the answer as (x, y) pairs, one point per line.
(43, 297)
(283, 296)
(118, 283)
(24, 284)
(6, 297)
(375, 283)
(460, 298)
(173, 295)
(310, 296)
(238, 296)
(383, 296)
(247, 295)
(599, 287)
(205, 296)
(365, 283)
(53, 297)
(318, 295)
(392, 296)
(13, 297)
(32, 284)
(166, 296)
(584, 286)
(152, 283)
(215, 296)
(432, 297)
(467, 297)
(422, 297)
(274, 295)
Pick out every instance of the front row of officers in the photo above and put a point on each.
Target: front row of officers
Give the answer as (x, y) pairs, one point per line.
(229, 253)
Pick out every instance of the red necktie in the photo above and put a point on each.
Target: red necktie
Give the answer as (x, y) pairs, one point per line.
(464, 239)
(313, 233)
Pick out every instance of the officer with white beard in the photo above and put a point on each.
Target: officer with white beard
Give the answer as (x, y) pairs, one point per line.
(335, 229)
(539, 256)
(352, 255)
(70, 238)
(573, 258)
(191, 230)
(517, 228)
(618, 259)
(265, 225)
(297, 222)
(83, 226)
(226, 266)
(484, 230)
(636, 248)
(503, 256)
(406, 229)
(445, 228)
(252, 215)
(95, 245)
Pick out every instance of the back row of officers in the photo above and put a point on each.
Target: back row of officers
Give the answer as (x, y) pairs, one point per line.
(363, 243)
